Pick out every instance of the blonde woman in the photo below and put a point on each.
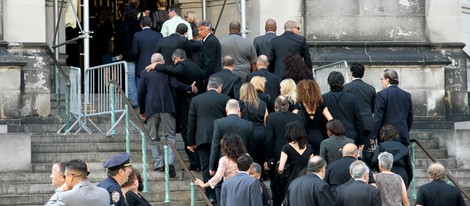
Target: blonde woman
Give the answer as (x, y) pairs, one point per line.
(259, 83)
(289, 90)
(255, 111)
(190, 17)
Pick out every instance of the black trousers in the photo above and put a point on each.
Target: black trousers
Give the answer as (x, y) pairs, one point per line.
(204, 152)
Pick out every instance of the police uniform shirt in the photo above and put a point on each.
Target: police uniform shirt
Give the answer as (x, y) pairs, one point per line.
(115, 193)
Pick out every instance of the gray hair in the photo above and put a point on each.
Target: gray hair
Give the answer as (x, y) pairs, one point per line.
(157, 58)
(206, 23)
(281, 104)
(178, 53)
(392, 75)
(232, 105)
(215, 82)
(257, 168)
(386, 160)
(358, 169)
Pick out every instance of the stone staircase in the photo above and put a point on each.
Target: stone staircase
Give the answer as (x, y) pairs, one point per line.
(34, 187)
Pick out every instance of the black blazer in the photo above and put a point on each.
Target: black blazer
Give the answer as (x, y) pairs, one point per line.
(357, 193)
(232, 124)
(309, 190)
(168, 44)
(210, 56)
(204, 109)
(365, 96)
(133, 199)
(143, 46)
(343, 106)
(276, 133)
(338, 172)
(272, 85)
(155, 92)
(288, 43)
(263, 44)
(401, 159)
(231, 83)
(394, 107)
(438, 192)
(185, 71)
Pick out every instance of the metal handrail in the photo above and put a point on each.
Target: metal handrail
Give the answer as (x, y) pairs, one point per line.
(56, 63)
(451, 178)
(142, 128)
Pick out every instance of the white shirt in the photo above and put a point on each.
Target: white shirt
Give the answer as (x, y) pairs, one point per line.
(169, 27)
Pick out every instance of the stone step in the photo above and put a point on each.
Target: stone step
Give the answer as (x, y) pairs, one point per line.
(427, 134)
(457, 173)
(86, 156)
(436, 153)
(177, 198)
(91, 147)
(86, 138)
(47, 188)
(448, 163)
(96, 175)
(430, 143)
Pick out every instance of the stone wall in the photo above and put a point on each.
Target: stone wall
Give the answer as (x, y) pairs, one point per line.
(36, 79)
(365, 20)
(25, 20)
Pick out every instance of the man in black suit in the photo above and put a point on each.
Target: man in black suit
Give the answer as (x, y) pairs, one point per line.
(231, 81)
(187, 72)
(263, 43)
(358, 192)
(143, 44)
(365, 96)
(231, 124)
(311, 189)
(393, 107)
(272, 85)
(168, 44)
(343, 106)
(289, 43)
(210, 55)
(275, 139)
(438, 192)
(204, 109)
(157, 105)
(338, 172)
(242, 189)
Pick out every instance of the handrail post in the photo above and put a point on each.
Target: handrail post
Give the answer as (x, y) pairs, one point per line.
(67, 108)
(413, 168)
(167, 175)
(144, 160)
(128, 141)
(111, 106)
(193, 194)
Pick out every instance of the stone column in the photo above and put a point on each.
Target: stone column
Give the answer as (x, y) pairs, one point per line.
(1, 19)
(462, 143)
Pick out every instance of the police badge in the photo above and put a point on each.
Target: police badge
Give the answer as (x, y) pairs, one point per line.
(115, 196)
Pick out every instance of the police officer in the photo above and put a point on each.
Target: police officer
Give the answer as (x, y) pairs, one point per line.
(118, 174)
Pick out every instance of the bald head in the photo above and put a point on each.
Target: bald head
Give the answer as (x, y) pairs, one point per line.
(234, 27)
(157, 58)
(316, 164)
(270, 25)
(350, 149)
(262, 62)
(228, 62)
(232, 106)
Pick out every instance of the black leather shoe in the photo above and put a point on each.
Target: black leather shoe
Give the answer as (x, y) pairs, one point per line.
(172, 171)
(194, 168)
(159, 169)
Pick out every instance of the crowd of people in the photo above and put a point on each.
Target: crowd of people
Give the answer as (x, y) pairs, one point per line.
(255, 109)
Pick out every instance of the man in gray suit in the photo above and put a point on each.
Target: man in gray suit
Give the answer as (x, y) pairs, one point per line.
(79, 190)
(242, 189)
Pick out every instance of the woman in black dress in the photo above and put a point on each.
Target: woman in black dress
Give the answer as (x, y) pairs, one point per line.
(313, 112)
(401, 155)
(134, 186)
(295, 153)
(255, 111)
